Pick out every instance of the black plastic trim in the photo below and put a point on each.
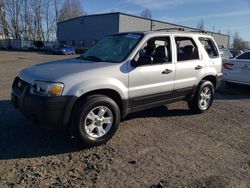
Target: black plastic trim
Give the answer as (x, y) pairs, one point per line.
(51, 112)
(154, 100)
(139, 101)
(218, 80)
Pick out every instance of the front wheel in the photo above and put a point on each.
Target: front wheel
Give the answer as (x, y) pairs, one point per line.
(96, 121)
(203, 97)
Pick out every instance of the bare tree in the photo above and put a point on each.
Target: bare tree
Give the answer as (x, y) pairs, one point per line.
(1, 15)
(50, 13)
(56, 9)
(239, 43)
(200, 25)
(71, 9)
(35, 19)
(146, 13)
(12, 9)
(26, 20)
(3, 22)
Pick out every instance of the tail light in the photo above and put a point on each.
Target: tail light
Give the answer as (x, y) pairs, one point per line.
(228, 66)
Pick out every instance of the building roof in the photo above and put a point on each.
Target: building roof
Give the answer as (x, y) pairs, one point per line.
(121, 13)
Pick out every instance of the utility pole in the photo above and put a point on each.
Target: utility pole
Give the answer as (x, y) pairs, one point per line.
(151, 25)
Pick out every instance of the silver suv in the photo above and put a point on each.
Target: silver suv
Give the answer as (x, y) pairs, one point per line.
(122, 73)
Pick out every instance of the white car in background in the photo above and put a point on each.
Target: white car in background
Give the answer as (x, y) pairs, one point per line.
(237, 70)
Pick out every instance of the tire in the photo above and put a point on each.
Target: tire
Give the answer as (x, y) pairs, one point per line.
(91, 129)
(200, 104)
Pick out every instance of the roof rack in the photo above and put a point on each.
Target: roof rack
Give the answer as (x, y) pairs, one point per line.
(170, 29)
(199, 31)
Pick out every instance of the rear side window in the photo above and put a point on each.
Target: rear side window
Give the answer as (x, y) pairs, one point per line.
(210, 47)
(244, 56)
(186, 49)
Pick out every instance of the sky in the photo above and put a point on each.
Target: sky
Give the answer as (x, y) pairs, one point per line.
(228, 16)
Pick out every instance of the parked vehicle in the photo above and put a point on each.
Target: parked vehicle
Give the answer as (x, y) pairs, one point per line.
(225, 53)
(64, 50)
(121, 74)
(236, 52)
(237, 70)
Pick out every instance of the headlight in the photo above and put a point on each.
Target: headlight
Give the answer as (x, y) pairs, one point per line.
(46, 88)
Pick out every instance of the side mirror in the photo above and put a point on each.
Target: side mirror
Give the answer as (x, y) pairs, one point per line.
(143, 60)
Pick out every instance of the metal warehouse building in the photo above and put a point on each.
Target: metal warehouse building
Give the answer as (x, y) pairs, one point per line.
(85, 31)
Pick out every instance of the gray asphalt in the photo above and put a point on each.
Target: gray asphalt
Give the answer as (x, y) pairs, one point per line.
(166, 146)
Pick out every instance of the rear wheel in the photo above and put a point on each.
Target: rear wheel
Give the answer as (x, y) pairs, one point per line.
(203, 97)
(96, 120)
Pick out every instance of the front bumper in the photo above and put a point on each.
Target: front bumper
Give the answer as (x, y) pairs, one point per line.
(52, 112)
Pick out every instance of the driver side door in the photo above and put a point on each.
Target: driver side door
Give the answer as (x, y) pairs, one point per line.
(152, 84)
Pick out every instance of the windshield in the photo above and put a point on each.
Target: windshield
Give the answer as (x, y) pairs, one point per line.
(114, 48)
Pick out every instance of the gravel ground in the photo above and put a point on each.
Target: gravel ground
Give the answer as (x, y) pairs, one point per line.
(163, 147)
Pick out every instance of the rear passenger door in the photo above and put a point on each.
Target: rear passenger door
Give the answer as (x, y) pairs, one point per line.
(189, 65)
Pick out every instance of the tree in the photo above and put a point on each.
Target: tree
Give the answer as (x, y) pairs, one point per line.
(239, 43)
(29, 19)
(71, 9)
(3, 22)
(12, 9)
(146, 13)
(200, 25)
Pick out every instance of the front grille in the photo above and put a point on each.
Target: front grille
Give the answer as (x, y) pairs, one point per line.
(20, 84)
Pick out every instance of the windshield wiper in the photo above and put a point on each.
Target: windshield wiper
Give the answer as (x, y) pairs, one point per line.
(93, 58)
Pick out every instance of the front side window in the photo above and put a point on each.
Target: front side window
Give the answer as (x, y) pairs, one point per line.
(210, 47)
(114, 48)
(245, 56)
(186, 49)
(159, 49)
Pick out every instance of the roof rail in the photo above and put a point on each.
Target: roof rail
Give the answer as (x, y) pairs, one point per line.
(170, 29)
(199, 31)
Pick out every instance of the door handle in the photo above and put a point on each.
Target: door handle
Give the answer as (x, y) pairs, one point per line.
(198, 67)
(167, 71)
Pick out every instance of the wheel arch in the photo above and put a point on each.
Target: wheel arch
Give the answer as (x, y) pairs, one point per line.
(114, 95)
(211, 78)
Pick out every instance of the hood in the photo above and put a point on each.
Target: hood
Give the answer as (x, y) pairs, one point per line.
(57, 70)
